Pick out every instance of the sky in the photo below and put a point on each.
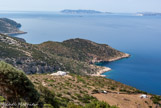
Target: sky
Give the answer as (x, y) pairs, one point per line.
(100, 5)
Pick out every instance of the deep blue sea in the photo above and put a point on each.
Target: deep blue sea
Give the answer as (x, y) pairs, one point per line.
(139, 36)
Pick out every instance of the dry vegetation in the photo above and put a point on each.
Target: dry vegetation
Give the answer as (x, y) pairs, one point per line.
(84, 89)
(126, 100)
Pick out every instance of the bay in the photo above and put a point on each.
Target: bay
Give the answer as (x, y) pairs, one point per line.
(140, 36)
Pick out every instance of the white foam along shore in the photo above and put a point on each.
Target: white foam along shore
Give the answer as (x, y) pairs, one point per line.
(101, 71)
(106, 69)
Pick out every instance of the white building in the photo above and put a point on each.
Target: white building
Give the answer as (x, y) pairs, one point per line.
(105, 92)
(143, 96)
(60, 73)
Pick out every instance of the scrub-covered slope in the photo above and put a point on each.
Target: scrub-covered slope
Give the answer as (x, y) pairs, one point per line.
(74, 55)
(32, 59)
(8, 26)
(83, 50)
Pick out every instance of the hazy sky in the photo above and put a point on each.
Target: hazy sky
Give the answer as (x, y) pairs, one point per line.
(102, 5)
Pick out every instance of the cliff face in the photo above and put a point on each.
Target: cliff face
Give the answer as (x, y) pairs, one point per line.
(8, 26)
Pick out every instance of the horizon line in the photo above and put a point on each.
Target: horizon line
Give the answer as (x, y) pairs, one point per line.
(72, 9)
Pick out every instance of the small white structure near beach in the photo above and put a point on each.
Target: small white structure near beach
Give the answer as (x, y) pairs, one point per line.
(60, 73)
(143, 96)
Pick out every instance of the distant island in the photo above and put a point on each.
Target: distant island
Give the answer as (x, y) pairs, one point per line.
(9, 27)
(68, 11)
(148, 14)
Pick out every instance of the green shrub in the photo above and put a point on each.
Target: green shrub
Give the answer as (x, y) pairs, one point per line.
(95, 91)
(86, 98)
(50, 80)
(72, 105)
(2, 99)
(80, 79)
(156, 99)
(59, 95)
(15, 85)
(99, 104)
(48, 106)
(47, 96)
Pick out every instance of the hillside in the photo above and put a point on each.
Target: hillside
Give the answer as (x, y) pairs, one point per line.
(69, 91)
(8, 26)
(17, 91)
(31, 59)
(82, 90)
(74, 56)
(83, 50)
(15, 86)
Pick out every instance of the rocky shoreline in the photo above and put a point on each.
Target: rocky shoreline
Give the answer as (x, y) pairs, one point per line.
(118, 58)
(95, 60)
(15, 33)
(106, 69)
(101, 71)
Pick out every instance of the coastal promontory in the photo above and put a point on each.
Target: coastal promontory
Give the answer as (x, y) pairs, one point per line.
(34, 73)
(10, 27)
(73, 55)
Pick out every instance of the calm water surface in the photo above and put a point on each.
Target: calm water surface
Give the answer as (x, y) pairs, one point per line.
(138, 36)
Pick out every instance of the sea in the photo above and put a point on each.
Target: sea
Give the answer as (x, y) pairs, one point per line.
(139, 36)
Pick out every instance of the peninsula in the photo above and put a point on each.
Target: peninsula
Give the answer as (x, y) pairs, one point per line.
(10, 27)
(74, 55)
(27, 71)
